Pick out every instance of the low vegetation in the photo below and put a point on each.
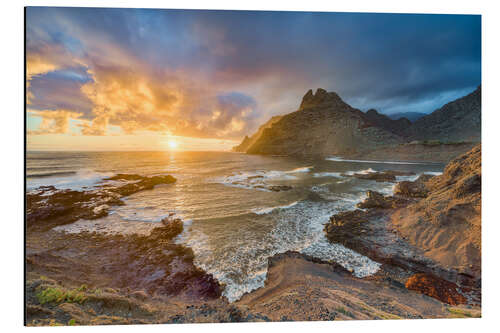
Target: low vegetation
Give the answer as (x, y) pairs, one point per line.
(60, 295)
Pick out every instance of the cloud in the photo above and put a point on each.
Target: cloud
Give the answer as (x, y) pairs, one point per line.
(53, 121)
(220, 74)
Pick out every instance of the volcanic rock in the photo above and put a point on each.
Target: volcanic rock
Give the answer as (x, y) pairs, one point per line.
(377, 200)
(415, 189)
(447, 222)
(435, 287)
(48, 206)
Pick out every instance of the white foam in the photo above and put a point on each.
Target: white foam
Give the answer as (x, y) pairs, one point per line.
(362, 172)
(340, 159)
(433, 173)
(262, 211)
(407, 178)
(258, 180)
(327, 174)
(303, 169)
(242, 265)
(82, 179)
(111, 224)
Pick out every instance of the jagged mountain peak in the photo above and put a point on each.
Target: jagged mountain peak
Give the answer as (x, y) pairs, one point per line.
(372, 112)
(321, 98)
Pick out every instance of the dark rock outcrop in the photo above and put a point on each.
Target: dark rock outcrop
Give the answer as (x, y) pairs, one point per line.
(380, 176)
(48, 206)
(378, 200)
(415, 189)
(435, 287)
(279, 188)
(151, 263)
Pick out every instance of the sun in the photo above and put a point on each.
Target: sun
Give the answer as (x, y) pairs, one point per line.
(172, 144)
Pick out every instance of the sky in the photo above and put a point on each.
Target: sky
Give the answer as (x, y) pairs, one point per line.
(139, 79)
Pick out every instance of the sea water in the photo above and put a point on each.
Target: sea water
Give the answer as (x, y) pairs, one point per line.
(233, 219)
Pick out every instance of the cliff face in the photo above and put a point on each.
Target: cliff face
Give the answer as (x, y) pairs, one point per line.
(459, 120)
(323, 125)
(447, 222)
(248, 141)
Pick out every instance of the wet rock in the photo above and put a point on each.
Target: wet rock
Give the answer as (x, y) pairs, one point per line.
(377, 176)
(346, 226)
(436, 287)
(381, 176)
(125, 176)
(47, 206)
(146, 266)
(279, 188)
(415, 189)
(378, 200)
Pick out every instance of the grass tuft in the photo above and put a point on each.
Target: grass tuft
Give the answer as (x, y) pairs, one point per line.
(59, 295)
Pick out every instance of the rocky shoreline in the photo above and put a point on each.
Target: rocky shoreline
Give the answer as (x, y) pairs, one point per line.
(47, 206)
(436, 268)
(136, 279)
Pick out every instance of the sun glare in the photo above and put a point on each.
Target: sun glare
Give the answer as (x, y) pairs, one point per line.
(172, 144)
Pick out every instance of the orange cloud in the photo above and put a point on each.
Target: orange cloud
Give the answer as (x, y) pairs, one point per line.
(134, 95)
(53, 121)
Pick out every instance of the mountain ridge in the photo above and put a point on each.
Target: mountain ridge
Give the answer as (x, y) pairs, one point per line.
(325, 125)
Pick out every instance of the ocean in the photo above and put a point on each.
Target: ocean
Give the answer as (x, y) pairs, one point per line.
(234, 219)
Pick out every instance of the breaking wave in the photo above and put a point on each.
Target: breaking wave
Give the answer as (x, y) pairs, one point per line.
(340, 159)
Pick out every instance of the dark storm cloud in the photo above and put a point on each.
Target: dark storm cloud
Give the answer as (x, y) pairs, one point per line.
(372, 59)
(221, 73)
(60, 90)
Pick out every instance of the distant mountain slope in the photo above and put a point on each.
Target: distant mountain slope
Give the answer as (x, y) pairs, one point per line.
(396, 126)
(459, 120)
(324, 125)
(248, 141)
(411, 116)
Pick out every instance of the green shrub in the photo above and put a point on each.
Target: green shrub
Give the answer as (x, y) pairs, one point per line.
(59, 295)
(83, 287)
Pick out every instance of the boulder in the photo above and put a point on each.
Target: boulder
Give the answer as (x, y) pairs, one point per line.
(378, 200)
(279, 188)
(416, 189)
(435, 287)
